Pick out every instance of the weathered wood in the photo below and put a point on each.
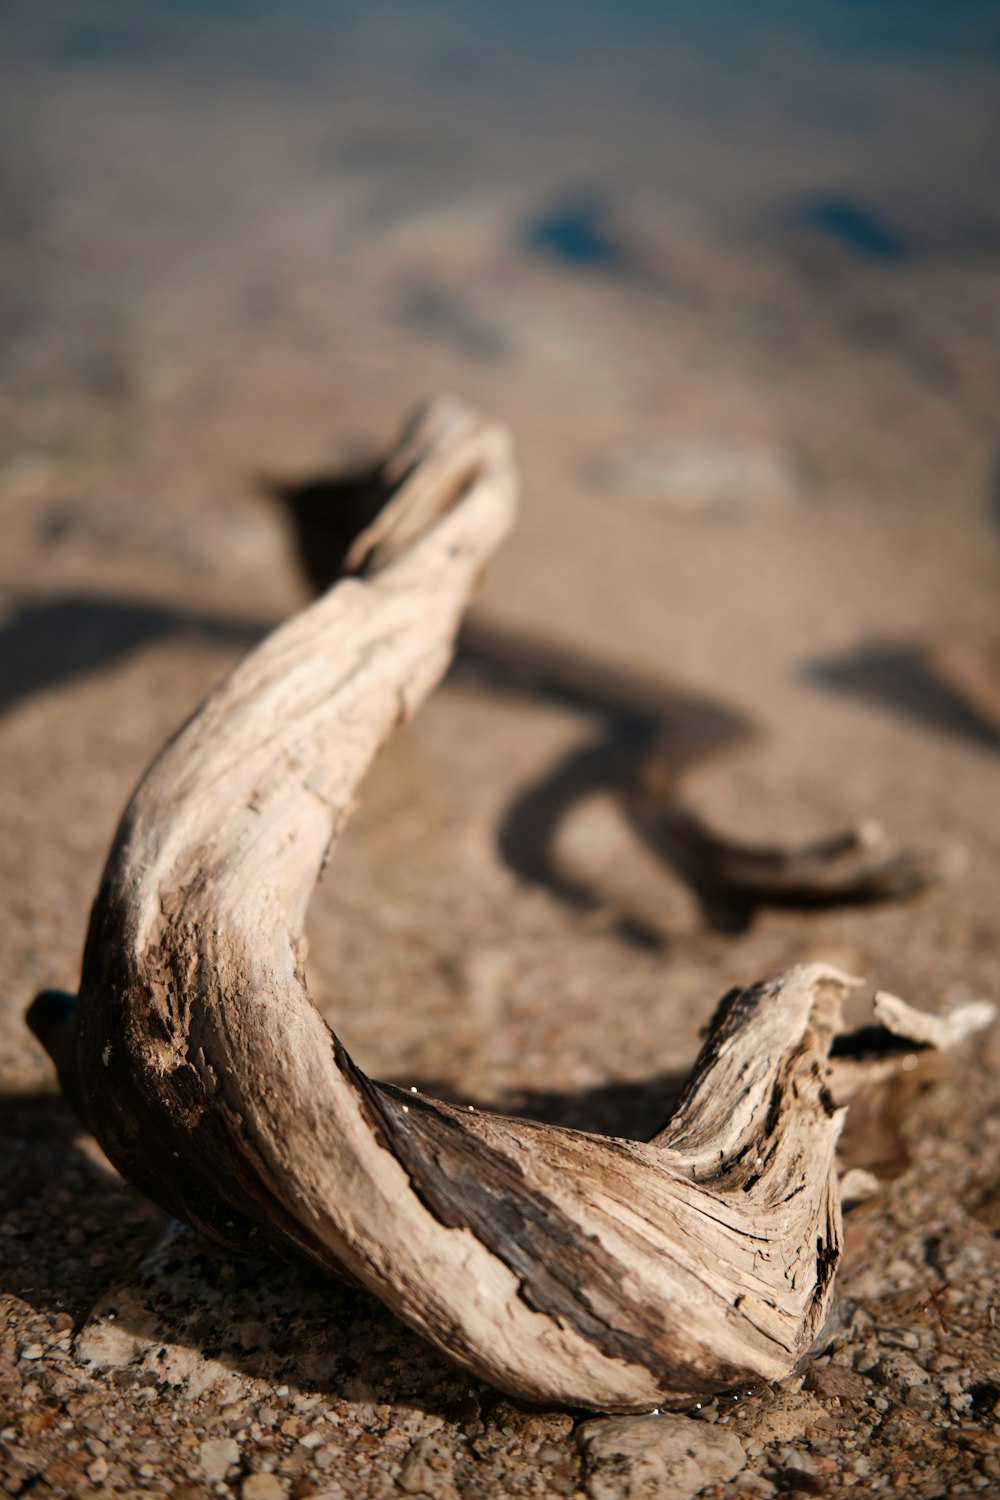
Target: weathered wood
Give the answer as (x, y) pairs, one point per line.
(558, 1265)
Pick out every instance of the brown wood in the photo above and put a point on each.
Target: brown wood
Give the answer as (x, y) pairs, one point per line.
(559, 1265)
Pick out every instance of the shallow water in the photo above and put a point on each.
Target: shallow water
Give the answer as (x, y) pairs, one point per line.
(875, 127)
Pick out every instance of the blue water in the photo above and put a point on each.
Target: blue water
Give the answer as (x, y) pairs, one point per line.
(730, 34)
(891, 107)
(856, 225)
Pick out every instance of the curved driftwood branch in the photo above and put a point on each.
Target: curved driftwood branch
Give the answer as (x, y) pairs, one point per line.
(555, 1264)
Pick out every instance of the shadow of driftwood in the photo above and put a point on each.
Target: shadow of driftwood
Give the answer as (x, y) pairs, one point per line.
(51, 641)
(628, 716)
(626, 713)
(70, 1223)
(902, 679)
(634, 1110)
(193, 1314)
(643, 736)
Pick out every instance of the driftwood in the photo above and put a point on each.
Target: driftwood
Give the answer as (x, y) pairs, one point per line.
(558, 1265)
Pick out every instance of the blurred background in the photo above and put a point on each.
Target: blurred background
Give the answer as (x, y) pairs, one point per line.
(732, 275)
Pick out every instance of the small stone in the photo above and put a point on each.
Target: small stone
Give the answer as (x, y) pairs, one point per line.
(977, 1439)
(838, 1382)
(922, 1399)
(901, 1274)
(428, 1469)
(217, 1455)
(800, 1481)
(702, 478)
(95, 1423)
(899, 1338)
(296, 1462)
(657, 1458)
(32, 1351)
(307, 1488)
(64, 1474)
(901, 1370)
(788, 1418)
(263, 1487)
(802, 1461)
(98, 1470)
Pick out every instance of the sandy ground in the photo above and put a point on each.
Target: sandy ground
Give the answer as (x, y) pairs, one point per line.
(759, 465)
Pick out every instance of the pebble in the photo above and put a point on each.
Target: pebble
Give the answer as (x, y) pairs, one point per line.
(837, 1381)
(756, 1485)
(799, 1481)
(702, 478)
(902, 1370)
(787, 1418)
(428, 1470)
(263, 1487)
(801, 1460)
(900, 1274)
(657, 1458)
(922, 1399)
(216, 1456)
(899, 1338)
